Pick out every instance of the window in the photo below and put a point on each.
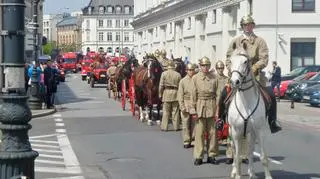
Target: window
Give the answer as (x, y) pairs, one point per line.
(89, 10)
(214, 16)
(126, 36)
(88, 37)
(100, 36)
(303, 5)
(189, 23)
(100, 23)
(109, 50)
(118, 36)
(156, 30)
(126, 23)
(118, 9)
(88, 24)
(302, 53)
(101, 10)
(127, 10)
(110, 9)
(117, 23)
(170, 30)
(109, 36)
(109, 23)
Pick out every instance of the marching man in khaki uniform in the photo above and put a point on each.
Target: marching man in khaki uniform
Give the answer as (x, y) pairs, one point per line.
(168, 89)
(258, 53)
(184, 99)
(111, 72)
(203, 98)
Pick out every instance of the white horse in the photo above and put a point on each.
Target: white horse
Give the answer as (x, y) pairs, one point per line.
(246, 114)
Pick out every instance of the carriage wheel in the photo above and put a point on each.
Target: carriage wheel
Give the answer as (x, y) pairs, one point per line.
(123, 96)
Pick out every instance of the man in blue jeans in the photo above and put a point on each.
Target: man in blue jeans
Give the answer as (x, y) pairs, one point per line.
(276, 78)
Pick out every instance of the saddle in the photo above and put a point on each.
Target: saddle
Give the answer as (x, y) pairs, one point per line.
(265, 96)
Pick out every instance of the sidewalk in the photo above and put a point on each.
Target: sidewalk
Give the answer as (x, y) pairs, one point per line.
(42, 112)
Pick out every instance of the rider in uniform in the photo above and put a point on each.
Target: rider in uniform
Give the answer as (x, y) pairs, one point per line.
(184, 99)
(257, 50)
(168, 89)
(111, 72)
(203, 98)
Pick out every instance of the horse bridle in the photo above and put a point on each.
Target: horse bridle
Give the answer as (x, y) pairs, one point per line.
(244, 77)
(244, 80)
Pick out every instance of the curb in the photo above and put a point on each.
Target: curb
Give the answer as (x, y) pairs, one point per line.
(44, 113)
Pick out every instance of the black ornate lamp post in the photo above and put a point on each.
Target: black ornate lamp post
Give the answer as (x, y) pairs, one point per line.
(16, 155)
(34, 100)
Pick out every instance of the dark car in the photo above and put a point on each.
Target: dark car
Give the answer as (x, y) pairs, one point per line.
(299, 71)
(295, 89)
(312, 95)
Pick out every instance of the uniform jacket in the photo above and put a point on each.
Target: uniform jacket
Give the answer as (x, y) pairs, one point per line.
(257, 50)
(203, 95)
(169, 83)
(111, 71)
(184, 93)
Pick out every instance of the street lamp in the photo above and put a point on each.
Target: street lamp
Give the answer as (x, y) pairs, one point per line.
(35, 102)
(16, 155)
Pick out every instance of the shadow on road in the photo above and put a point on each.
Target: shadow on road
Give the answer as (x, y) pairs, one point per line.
(282, 174)
(70, 98)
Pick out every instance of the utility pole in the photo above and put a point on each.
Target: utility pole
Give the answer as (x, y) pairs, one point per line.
(1, 54)
(34, 100)
(16, 155)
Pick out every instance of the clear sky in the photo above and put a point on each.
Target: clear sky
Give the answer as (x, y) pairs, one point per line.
(60, 6)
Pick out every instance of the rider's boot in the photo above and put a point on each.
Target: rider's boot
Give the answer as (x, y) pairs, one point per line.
(272, 113)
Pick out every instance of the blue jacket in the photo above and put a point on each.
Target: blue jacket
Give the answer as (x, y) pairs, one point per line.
(276, 74)
(39, 71)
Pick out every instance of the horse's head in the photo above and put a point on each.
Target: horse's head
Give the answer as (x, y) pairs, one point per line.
(240, 66)
(154, 69)
(180, 66)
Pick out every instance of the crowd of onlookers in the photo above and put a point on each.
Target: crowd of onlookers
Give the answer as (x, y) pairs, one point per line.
(47, 79)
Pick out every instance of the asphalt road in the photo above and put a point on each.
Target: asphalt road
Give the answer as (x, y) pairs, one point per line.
(91, 137)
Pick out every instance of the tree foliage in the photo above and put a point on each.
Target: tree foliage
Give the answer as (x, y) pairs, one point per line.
(47, 49)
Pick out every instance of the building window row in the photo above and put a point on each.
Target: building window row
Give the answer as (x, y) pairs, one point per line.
(126, 36)
(112, 9)
(109, 23)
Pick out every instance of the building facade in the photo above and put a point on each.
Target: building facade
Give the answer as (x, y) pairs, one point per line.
(29, 31)
(106, 25)
(194, 29)
(49, 26)
(69, 34)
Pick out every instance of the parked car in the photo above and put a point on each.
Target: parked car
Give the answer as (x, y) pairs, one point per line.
(295, 89)
(312, 95)
(284, 84)
(299, 71)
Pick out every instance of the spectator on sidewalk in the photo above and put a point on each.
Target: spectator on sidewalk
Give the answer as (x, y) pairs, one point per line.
(49, 82)
(276, 77)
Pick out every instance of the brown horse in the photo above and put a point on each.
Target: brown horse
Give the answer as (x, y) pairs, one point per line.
(147, 79)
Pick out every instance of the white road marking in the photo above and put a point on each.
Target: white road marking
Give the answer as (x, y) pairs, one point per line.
(59, 124)
(270, 159)
(58, 120)
(60, 170)
(57, 115)
(69, 156)
(49, 162)
(47, 151)
(74, 177)
(61, 131)
(43, 141)
(45, 146)
(51, 156)
(42, 136)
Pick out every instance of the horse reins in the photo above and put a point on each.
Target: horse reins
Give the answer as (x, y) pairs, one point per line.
(243, 77)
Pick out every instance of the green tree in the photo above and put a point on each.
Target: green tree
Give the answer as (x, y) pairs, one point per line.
(47, 49)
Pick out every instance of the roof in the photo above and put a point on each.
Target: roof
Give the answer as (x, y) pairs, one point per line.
(67, 21)
(97, 3)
